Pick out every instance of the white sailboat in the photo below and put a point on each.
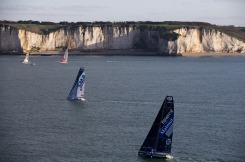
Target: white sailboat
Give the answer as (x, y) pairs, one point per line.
(26, 60)
(65, 57)
(77, 91)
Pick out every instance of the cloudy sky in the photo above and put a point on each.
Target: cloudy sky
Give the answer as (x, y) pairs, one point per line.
(219, 12)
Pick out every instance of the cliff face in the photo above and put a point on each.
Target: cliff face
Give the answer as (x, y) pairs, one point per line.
(204, 40)
(120, 38)
(9, 40)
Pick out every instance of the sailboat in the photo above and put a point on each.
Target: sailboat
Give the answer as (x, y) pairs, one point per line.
(77, 91)
(65, 57)
(26, 60)
(158, 142)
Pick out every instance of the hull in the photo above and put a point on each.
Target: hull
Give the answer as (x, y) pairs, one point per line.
(82, 99)
(155, 155)
(25, 62)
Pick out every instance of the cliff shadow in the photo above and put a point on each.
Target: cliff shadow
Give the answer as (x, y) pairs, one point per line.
(112, 39)
(10, 42)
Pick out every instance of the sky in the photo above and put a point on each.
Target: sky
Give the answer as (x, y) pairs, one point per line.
(218, 12)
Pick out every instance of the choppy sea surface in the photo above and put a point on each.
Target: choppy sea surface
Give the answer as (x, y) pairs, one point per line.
(123, 96)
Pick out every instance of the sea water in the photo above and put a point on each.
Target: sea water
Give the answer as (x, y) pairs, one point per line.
(123, 96)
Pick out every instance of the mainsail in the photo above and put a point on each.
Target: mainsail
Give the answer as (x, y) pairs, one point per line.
(26, 60)
(159, 139)
(77, 91)
(65, 57)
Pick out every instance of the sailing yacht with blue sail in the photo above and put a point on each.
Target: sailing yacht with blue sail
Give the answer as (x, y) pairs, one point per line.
(158, 142)
(77, 91)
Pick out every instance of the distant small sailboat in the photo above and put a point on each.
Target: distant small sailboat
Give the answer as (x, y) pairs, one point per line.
(33, 64)
(77, 91)
(158, 142)
(26, 60)
(65, 57)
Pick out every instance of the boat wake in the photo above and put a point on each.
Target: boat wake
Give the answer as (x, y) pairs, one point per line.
(112, 61)
(125, 102)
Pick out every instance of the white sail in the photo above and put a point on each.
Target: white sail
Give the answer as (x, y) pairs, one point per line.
(65, 57)
(26, 60)
(81, 86)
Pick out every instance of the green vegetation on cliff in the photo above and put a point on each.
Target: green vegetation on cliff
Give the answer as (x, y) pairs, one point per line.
(33, 26)
(236, 32)
(164, 28)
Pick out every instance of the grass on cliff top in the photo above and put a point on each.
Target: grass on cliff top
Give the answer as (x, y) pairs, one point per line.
(237, 32)
(37, 28)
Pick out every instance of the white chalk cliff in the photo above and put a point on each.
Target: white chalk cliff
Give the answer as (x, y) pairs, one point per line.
(119, 38)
